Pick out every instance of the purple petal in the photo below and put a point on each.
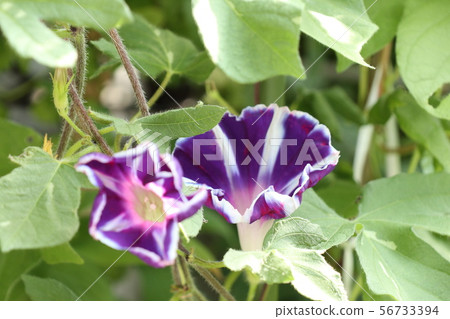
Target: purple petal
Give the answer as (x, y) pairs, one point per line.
(265, 148)
(140, 202)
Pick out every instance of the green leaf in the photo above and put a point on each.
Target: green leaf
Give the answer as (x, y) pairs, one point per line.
(98, 14)
(422, 55)
(292, 253)
(440, 243)
(183, 122)
(344, 105)
(397, 262)
(307, 270)
(38, 202)
(47, 289)
(80, 278)
(12, 266)
(32, 39)
(120, 125)
(408, 200)
(251, 40)
(335, 229)
(342, 25)
(61, 254)
(15, 138)
(342, 196)
(191, 226)
(421, 127)
(21, 23)
(380, 112)
(154, 51)
(313, 276)
(386, 15)
(295, 232)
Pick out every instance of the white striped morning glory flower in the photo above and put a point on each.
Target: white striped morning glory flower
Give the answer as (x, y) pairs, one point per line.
(257, 165)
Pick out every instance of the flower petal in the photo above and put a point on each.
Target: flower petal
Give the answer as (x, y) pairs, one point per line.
(271, 205)
(265, 148)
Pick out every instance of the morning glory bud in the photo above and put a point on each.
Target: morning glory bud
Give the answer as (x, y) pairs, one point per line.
(60, 91)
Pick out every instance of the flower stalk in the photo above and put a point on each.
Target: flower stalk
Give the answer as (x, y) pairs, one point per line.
(135, 83)
(213, 282)
(79, 41)
(84, 116)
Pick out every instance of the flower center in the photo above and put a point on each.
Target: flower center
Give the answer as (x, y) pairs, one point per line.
(149, 205)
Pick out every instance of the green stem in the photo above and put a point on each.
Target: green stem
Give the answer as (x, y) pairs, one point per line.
(117, 141)
(160, 89)
(214, 94)
(356, 289)
(414, 161)
(107, 130)
(128, 143)
(75, 147)
(363, 85)
(348, 264)
(192, 259)
(74, 126)
(13, 284)
(75, 157)
(253, 286)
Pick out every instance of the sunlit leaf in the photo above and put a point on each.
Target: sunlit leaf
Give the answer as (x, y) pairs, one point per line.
(38, 202)
(395, 260)
(251, 40)
(423, 54)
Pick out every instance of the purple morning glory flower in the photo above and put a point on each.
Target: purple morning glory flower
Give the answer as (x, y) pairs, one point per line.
(257, 166)
(140, 202)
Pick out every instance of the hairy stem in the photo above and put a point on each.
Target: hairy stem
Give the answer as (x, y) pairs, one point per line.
(138, 91)
(79, 41)
(213, 282)
(229, 281)
(176, 275)
(84, 117)
(189, 281)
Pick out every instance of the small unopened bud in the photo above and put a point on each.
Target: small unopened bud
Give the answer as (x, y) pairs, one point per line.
(60, 91)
